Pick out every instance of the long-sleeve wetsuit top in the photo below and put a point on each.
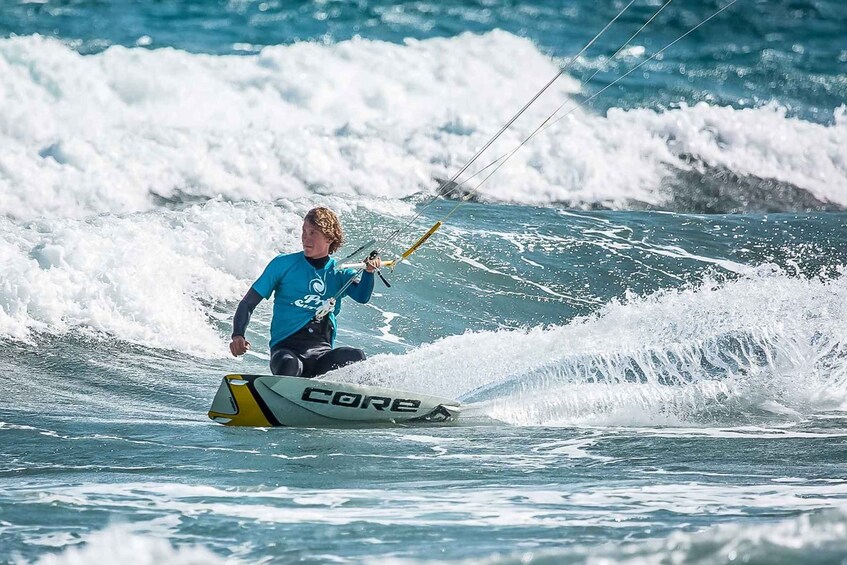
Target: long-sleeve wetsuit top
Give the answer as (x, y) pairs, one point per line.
(299, 285)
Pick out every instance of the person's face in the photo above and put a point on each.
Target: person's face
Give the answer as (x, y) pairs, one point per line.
(315, 243)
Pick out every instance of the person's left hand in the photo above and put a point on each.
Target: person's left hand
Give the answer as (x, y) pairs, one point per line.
(372, 265)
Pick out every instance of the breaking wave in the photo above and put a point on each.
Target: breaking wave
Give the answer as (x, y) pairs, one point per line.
(131, 129)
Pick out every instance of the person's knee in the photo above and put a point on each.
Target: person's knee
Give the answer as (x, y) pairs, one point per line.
(338, 358)
(354, 355)
(345, 356)
(286, 363)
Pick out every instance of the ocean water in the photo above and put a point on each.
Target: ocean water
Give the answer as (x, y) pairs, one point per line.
(643, 312)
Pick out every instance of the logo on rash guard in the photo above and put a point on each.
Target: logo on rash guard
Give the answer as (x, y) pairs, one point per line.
(318, 286)
(313, 301)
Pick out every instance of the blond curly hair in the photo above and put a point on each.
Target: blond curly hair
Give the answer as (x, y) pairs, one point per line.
(328, 224)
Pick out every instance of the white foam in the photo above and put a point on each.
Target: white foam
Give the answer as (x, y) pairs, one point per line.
(812, 536)
(483, 507)
(762, 142)
(120, 544)
(716, 353)
(99, 133)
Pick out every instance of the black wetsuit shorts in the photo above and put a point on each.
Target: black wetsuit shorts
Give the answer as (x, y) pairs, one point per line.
(309, 353)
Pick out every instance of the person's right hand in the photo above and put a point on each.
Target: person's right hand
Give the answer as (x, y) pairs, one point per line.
(239, 346)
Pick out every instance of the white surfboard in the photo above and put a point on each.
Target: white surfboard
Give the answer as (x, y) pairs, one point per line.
(267, 400)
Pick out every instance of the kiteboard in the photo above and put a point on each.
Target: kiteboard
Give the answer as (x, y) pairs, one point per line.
(266, 400)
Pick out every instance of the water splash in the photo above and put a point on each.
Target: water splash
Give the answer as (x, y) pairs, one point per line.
(767, 346)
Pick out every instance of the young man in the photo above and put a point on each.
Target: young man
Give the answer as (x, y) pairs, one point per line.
(301, 345)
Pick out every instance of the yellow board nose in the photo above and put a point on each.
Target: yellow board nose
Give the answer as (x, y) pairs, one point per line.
(240, 397)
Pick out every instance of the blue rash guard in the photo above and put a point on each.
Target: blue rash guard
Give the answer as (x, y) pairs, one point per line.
(299, 289)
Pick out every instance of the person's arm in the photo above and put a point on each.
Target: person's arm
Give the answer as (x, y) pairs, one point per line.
(261, 289)
(362, 290)
(239, 345)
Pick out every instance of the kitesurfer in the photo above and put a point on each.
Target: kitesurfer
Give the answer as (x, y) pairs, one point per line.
(302, 341)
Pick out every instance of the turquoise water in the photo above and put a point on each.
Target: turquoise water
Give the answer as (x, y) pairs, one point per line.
(642, 312)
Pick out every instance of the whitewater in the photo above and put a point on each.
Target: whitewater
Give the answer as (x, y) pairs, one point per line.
(127, 129)
(642, 312)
